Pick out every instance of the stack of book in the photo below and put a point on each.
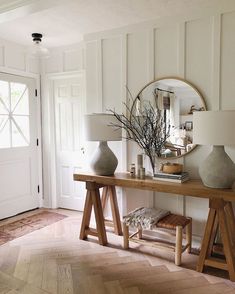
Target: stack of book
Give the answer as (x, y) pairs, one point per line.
(179, 178)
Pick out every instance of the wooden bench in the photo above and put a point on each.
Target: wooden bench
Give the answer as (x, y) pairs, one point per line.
(169, 223)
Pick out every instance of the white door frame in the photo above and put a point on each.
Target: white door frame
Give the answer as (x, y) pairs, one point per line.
(49, 162)
(36, 77)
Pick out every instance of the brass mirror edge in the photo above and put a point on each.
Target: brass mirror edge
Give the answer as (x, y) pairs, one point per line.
(189, 84)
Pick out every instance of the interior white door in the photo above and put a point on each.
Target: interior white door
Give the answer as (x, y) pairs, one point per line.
(19, 177)
(69, 111)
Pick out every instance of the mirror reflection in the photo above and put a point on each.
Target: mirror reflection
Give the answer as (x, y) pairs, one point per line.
(177, 100)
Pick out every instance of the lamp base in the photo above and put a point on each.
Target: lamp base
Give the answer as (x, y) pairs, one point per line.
(218, 170)
(104, 161)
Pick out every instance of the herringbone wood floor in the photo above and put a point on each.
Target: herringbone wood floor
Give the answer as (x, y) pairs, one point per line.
(54, 260)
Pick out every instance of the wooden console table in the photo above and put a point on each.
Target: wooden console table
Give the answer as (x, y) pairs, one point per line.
(220, 212)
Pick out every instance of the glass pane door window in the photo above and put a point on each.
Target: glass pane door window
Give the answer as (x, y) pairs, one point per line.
(14, 115)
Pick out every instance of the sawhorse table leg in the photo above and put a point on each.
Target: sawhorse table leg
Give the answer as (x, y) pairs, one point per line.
(220, 216)
(94, 201)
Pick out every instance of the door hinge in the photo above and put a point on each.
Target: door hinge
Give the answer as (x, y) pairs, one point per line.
(38, 189)
(36, 93)
(37, 142)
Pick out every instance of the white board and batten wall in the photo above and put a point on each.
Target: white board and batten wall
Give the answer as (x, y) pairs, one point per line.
(64, 64)
(13, 59)
(199, 48)
(61, 76)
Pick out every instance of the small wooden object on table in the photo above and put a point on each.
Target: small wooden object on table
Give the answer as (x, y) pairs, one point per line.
(169, 222)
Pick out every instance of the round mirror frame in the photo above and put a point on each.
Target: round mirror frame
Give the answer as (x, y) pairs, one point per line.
(189, 84)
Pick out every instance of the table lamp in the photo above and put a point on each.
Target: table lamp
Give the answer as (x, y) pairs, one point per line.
(98, 127)
(215, 128)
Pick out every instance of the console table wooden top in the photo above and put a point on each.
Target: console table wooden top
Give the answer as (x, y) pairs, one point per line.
(221, 215)
(190, 188)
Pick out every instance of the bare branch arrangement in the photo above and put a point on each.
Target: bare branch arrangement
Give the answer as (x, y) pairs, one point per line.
(148, 129)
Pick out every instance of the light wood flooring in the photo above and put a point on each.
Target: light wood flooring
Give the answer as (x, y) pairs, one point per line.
(54, 260)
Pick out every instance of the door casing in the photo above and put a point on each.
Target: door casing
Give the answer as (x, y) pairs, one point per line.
(49, 135)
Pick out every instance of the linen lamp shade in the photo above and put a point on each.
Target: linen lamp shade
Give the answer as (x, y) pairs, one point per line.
(215, 128)
(100, 127)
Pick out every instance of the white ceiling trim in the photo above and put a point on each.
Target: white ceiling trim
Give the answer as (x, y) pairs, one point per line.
(6, 5)
(66, 22)
(11, 10)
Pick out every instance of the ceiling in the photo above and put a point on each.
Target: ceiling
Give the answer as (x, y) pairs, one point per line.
(64, 22)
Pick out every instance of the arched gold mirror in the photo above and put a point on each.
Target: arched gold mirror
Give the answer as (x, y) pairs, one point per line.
(176, 99)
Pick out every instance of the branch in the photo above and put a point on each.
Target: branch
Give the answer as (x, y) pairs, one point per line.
(148, 129)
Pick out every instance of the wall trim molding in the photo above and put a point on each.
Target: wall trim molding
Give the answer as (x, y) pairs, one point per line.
(225, 6)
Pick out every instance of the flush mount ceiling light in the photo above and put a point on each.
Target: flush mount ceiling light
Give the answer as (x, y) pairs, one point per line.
(37, 50)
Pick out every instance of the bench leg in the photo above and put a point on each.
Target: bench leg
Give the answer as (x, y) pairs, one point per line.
(140, 233)
(178, 245)
(189, 236)
(125, 236)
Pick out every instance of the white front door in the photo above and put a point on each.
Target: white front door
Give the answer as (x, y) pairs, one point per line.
(19, 177)
(69, 111)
